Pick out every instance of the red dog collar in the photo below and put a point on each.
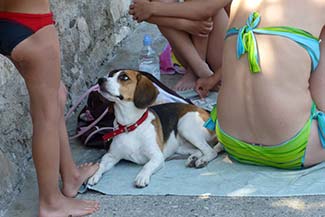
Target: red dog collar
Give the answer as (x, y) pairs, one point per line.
(123, 129)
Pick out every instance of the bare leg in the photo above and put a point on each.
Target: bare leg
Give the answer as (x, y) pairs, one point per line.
(201, 43)
(72, 176)
(315, 153)
(186, 52)
(201, 46)
(189, 79)
(214, 55)
(216, 40)
(38, 60)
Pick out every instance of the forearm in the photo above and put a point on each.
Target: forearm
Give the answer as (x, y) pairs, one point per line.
(170, 22)
(196, 10)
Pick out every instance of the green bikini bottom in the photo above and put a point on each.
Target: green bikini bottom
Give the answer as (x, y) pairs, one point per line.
(288, 155)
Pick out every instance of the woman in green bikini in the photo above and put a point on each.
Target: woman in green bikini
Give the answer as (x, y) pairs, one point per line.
(271, 102)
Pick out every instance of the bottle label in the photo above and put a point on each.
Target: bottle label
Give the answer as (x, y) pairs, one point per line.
(151, 69)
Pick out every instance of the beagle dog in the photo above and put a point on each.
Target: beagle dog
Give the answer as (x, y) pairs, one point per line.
(149, 135)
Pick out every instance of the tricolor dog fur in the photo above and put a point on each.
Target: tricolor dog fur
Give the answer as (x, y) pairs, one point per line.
(171, 128)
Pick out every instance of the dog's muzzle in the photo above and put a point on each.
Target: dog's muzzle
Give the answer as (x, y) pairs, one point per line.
(101, 82)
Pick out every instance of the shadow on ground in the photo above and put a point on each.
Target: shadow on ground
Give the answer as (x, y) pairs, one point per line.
(26, 204)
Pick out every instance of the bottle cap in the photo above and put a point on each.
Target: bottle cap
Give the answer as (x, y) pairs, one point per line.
(147, 40)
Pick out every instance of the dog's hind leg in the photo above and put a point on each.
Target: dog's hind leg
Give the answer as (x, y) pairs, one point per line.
(108, 161)
(154, 164)
(218, 147)
(189, 152)
(203, 160)
(191, 160)
(190, 127)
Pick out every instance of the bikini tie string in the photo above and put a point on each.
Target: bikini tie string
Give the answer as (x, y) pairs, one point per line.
(320, 117)
(246, 41)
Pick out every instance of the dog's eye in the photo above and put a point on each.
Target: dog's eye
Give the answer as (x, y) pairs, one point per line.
(123, 77)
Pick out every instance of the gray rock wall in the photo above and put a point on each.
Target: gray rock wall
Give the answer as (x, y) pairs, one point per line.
(89, 31)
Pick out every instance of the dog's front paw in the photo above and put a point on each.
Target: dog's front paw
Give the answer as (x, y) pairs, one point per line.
(95, 178)
(142, 180)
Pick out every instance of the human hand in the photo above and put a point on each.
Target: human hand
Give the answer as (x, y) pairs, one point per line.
(202, 88)
(140, 10)
(204, 85)
(200, 28)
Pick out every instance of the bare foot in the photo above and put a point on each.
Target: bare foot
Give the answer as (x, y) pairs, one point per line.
(66, 207)
(186, 82)
(71, 187)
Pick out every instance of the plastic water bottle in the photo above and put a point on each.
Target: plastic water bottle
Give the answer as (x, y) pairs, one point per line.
(148, 59)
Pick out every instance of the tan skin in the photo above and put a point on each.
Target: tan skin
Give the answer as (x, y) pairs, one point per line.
(37, 58)
(270, 107)
(197, 43)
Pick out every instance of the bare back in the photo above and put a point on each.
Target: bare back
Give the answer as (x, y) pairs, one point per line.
(273, 105)
(25, 6)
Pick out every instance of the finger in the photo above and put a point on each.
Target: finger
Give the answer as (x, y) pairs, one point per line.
(204, 93)
(198, 86)
(140, 19)
(197, 89)
(208, 23)
(205, 31)
(208, 27)
(203, 35)
(201, 94)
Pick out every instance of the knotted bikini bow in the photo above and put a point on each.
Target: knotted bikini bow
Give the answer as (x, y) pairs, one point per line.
(246, 41)
(320, 117)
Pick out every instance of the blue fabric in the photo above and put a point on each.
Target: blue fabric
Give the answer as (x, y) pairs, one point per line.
(210, 124)
(320, 117)
(221, 177)
(301, 37)
(11, 34)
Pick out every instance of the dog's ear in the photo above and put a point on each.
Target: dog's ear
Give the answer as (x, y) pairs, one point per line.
(145, 92)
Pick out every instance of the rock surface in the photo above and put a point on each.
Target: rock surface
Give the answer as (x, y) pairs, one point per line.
(89, 31)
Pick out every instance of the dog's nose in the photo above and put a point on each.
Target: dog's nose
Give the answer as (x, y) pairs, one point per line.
(101, 81)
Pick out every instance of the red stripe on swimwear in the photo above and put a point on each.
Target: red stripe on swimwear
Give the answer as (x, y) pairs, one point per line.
(33, 21)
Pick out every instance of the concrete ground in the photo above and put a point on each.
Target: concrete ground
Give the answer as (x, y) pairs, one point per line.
(26, 203)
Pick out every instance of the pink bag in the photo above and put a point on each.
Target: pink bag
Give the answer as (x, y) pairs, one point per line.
(166, 63)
